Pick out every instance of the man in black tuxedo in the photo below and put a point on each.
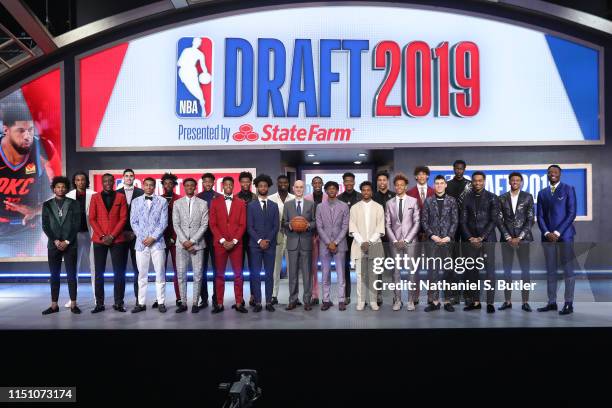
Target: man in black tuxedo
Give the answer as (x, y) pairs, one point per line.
(517, 212)
(130, 192)
(61, 221)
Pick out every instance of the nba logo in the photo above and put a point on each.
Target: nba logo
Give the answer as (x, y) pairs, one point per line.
(194, 77)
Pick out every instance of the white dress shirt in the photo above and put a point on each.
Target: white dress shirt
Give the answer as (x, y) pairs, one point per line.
(514, 198)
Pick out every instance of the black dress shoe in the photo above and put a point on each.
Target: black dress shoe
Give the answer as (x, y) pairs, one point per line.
(252, 302)
(75, 310)
(155, 305)
(217, 309)
(490, 309)
(472, 306)
(98, 309)
(181, 308)
(257, 308)
(274, 301)
(379, 303)
(347, 300)
(203, 305)
(326, 306)
(505, 305)
(448, 307)
(139, 308)
(194, 309)
(526, 307)
(269, 307)
(162, 308)
(432, 306)
(548, 307)
(308, 307)
(240, 308)
(50, 310)
(291, 306)
(178, 302)
(568, 308)
(119, 308)
(416, 302)
(342, 306)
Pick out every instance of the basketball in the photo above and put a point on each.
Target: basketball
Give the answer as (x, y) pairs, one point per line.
(299, 224)
(204, 78)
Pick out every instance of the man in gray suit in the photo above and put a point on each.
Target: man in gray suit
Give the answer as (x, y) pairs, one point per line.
(332, 225)
(190, 221)
(299, 245)
(402, 220)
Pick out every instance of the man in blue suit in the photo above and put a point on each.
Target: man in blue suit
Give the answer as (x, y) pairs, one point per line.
(556, 215)
(262, 228)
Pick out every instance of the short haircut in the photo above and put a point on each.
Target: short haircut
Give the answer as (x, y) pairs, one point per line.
(555, 166)
(149, 179)
(128, 171)
(515, 174)
(331, 183)
(282, 177)
(479, 173)
(382, 173)
(364, 184)
(317, 177)
(14, 112)
(421, 169)
(208, 175)
(265, 178)
(245, 174)
(170, 176)
(188, 179)
(400, 176)
(348, 174)
(228, 178)
(108, 175)
(439, 177)
(80, 173)
(60, 180)
(460, 162)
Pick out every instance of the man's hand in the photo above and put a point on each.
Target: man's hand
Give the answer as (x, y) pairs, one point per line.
(187, 244)
(228, 245)
(436, 239)
(551, 237)
(58, 244)
(264, 244)
(515, 241)
(28, 212)
(365, 246)
(332, 247)
(148, 241)
(192, 249)
(108, 240)
(61, 245)
(445, 240)
(399, 245)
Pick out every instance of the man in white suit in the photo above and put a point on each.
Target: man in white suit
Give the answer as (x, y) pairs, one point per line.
(366, 226)
(280, 198)
(190, 221)
(402, 220)
(82, 193)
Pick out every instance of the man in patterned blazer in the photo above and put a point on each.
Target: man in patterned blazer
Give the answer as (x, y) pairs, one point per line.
(190, 220)
(149, 219)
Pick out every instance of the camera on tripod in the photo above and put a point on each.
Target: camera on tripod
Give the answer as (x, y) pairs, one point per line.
(243, 392)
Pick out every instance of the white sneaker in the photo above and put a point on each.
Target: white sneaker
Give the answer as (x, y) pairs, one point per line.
(67, 304)
(397, 305)
(411, 307)
(360, 306)
(374, 306)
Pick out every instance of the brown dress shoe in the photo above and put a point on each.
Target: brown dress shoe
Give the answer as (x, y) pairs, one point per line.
(291, 306)
(342, 306)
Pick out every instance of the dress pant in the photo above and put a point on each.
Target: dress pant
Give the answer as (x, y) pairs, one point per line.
(326, 258)
(471, 275)
(457, 249)
(144, 258)
(183, 257)
(85, 256)
(235, 257)
(131, 251)
(300, 260)
(397, 276)
(522, 253)
(257, 257)
(314, 267)
(175, 282)
(119, 259)
(209, 252)
(347, 268)
(438, 252)
(281, 251)
(364, 269)
(54, 257)
(553, 252)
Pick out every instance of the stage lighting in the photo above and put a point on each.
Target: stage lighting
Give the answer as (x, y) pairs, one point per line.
(244, 391)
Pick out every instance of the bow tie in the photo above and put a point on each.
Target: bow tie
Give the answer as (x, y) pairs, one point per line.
(148, 198)
(228, 198)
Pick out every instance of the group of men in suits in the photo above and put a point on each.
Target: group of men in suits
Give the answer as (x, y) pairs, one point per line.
(348, 228)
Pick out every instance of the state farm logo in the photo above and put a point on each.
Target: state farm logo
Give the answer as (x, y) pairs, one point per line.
(245, 132)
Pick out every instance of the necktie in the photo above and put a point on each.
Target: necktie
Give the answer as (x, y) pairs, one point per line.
(265, 206)
(552, 189)
(189, 201)
(401, 210)
(422, 195)
(299, 208)
(148, 198)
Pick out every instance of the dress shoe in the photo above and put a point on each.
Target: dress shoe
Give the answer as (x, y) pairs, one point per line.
(505, 305)
(240, 308)
(291, 306)
(490, 309)
(432, 307)
(360, 306)
(155, 305)
(50, 310)
(269, 307)
(181, 308)
(257, 308)
(308, 307)
(548, 307)
(410, 307)
(472, 306)
(217, 309)
(416, 302)
(75, 310)
(252, 301)
(315, 301)
(194, 309)
(568, 308)
(203, 305)
(139, 308)
(397, 305)
(119, 308)
(274, 301)
(178, 302)
(347, 300)
(298, 303)
(326, 306)
(162, 308)
(342, 306)
(449, 307)
(526, 307)
(98, 309)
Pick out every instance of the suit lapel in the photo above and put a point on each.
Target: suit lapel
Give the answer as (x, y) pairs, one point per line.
(55, 211)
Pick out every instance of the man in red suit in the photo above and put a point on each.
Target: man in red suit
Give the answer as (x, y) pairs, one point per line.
(227, 221)
(108, 214)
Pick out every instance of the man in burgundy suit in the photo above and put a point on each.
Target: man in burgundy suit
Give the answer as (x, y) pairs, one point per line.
(227, 221)
(108, 213)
